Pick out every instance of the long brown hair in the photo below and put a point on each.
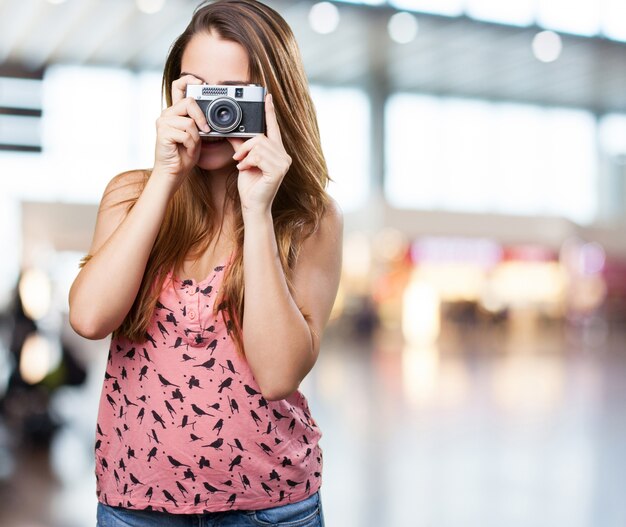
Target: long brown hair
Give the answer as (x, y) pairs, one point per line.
(301, 200)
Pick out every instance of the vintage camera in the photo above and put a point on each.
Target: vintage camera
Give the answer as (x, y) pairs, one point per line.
(231, 111)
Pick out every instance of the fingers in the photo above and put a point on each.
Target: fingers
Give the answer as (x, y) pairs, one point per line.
(188, 107)
(271, 123)
(178, 129)
(244, 147)
(179, 87)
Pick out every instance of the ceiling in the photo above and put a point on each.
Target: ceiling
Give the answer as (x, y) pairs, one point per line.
(450, 56)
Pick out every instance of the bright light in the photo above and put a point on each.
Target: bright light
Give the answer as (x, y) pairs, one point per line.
(56, 2)
(420, 313)
(150, 6)
(324, 17)
(547, 46)
(614, 19)
(35, 359)
(402, 27)
(34, 288)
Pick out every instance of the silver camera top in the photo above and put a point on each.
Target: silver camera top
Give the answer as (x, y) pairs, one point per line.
(243, 93)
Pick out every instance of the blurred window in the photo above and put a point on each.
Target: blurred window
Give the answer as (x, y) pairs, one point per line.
(344, 121)
(614, 19)
(475, 156)
(581, 17)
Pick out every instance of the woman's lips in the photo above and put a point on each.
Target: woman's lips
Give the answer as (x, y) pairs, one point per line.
(211, 142)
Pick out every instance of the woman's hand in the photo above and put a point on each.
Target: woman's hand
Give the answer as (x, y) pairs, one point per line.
(263, 162)
(178, 139)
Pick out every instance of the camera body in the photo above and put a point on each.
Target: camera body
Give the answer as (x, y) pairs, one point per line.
(231, 111)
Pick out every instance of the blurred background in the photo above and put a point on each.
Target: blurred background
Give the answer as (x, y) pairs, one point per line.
(473, 370)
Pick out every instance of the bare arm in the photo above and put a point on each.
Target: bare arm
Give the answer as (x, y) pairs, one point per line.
(281, 345)
(105, 288)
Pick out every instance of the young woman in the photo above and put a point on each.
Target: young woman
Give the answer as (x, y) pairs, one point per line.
(216, 272)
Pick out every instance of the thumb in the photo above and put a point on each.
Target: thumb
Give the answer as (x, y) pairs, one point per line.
(235, 142)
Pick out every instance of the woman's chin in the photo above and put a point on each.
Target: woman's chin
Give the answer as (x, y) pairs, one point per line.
(217, 160)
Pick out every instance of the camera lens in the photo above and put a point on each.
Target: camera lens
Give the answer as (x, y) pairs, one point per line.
(223, 115)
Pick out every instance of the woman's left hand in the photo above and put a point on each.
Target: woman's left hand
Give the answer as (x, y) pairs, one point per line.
(263, 163)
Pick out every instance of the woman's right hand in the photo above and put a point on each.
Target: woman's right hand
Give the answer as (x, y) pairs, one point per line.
(178, 140)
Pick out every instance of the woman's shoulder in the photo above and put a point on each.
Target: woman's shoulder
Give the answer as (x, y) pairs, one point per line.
(125, 187)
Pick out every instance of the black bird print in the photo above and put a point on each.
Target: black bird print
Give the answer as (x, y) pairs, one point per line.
(187, 358)
(278, 415)
(172, 319)
(134, 480)
(255, 417)
(149, 494)
(245, 481)
(175, 463)
(170, 409)
(159, 305)
(121, 464)
(229, 366)
(158, 419)
(116, 476)
(193, 381)
(234, 407)
(308, 486)
(262, 403)
(204, 462)
(150, 338)
(111, 401)
(250, 390)
(189, 475)
(238, 445)
(225, 384)
(236, 461)
(268, 490)
(274, 475)
(177, 394)
(269, 428)
(104, 464)
(182, 489)
(154, 436)
(165, 382)
(130, 354)
(130, 453)
(146, 356)
(107, 376)
(207, 290)
(211, 488)
(162, 329)
(124, 373)
(293, 484)
(292, 425)
(98, 444)
(194, 437)
(178, 343)
(286, 461)
(208, 364)
(129, 403)
(140, 415)
(231, 499)
(185, 422)
(215, 406)
(218, 425)
(212, 345)
(169, 497)
(200, 411)
(308, 453)
(217, 444)
(152, 453)
(265, 448)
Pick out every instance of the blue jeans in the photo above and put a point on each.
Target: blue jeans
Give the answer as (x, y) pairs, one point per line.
(305, 513)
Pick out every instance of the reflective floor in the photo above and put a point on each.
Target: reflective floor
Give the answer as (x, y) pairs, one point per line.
(518, 425)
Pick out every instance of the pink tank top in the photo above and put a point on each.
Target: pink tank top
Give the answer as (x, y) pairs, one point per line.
(182, 425)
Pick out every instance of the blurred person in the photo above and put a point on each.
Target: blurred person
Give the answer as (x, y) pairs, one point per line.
(200, 415)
